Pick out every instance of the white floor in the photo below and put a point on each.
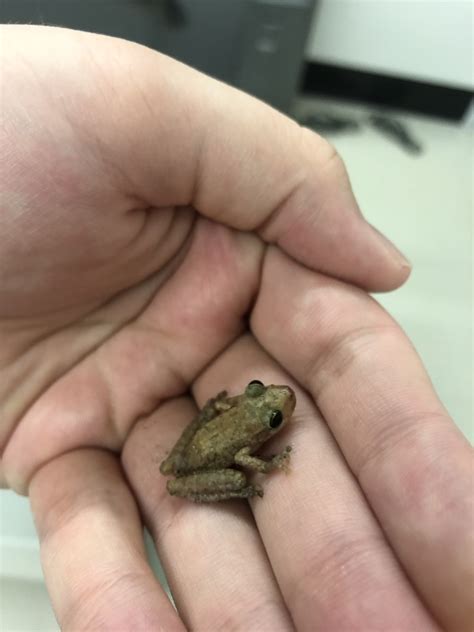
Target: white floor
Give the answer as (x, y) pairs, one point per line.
(24, 606)
(425, 204)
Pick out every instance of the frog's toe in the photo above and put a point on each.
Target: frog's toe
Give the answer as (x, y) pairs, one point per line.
(282, 461)
(166, 467)
(251, 491)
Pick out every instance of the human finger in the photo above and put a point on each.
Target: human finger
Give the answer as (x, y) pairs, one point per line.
(329, 555)
(213, 557)
(412, 462)
(92, 547)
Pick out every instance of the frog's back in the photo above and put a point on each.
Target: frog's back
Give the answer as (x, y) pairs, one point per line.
(215, 444)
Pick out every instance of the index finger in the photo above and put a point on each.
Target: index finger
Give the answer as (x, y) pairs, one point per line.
(412, 463)
(172, 136)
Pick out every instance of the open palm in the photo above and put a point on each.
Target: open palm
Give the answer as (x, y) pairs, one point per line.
(163, 238)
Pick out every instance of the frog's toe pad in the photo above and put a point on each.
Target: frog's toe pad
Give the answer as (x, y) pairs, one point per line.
(255, 490)
(282, 461)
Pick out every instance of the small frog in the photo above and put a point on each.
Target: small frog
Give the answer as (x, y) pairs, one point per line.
(226, 433)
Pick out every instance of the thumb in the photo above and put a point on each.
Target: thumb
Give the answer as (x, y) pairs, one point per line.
(182, 138)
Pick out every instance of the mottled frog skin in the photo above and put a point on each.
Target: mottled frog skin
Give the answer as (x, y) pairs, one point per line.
(225, 434)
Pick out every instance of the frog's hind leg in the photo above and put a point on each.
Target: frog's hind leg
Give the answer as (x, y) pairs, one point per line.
(213, 486)
(247, 492)
(211, 409)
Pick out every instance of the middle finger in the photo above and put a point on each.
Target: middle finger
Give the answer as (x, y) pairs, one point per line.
(331, 560)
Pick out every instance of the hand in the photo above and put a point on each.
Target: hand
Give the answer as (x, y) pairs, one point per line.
(118, 297)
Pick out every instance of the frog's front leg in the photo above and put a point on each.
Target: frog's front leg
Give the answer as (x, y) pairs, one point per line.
(213, 485)
(245, 459)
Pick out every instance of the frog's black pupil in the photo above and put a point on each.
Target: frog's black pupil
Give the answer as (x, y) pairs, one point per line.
(256, 382)
(276, 418)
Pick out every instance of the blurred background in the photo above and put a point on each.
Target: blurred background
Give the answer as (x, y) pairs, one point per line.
(390, 83)
(392, 52)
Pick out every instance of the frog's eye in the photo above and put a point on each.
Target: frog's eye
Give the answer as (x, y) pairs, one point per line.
(255, 388)
(276, 418)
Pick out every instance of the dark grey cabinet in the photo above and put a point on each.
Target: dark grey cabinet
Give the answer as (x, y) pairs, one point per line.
(257, 45)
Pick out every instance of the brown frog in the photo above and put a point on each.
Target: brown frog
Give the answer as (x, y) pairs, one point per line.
(226, 433)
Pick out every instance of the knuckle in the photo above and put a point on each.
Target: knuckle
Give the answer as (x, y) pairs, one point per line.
(320, 148)
(344, 352)
(400, 431)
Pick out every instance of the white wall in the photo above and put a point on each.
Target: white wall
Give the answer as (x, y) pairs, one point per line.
(431, 40)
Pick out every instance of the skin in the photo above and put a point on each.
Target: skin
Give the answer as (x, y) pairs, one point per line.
(163, 235)
(227, 432)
